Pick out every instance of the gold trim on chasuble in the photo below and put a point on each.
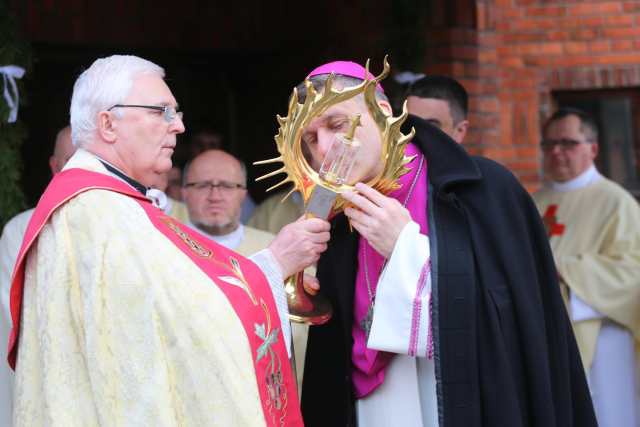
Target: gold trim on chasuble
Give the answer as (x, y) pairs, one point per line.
(274, 379)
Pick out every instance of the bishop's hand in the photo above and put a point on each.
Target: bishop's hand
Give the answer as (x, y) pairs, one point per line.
(378, 218)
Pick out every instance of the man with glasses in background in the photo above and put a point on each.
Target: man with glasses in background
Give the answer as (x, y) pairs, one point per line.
(594, 229)
(123, 315)
(214, 188)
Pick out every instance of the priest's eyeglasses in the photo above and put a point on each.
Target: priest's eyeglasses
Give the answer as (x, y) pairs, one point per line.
(565, 144)
(207, 186)
(168, 113)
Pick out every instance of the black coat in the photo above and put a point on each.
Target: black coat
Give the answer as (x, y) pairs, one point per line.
(505, 354)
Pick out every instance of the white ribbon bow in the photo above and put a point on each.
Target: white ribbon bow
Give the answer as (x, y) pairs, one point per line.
(159, 198)
(407, 77)
(9, 74)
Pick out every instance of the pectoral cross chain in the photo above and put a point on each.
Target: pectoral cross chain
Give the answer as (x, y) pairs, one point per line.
(366, 322)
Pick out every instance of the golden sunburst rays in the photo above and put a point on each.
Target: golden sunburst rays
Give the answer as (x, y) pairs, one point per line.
(288, 139)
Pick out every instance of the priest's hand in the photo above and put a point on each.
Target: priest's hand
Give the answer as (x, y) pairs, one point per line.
(378, 218)
(300, 244)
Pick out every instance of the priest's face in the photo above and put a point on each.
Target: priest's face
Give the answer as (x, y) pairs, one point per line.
(145, 138)
(318, 136)
(567, 150)
(214, 190)
(438, 113)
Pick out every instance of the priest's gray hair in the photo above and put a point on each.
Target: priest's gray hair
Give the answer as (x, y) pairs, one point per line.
(105, 83)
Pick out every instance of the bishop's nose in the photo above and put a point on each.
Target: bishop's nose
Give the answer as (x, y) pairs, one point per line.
(325, 140)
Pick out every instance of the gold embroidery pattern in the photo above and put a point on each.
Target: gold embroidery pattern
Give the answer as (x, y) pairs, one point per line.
(196, 247)
(276, 391)
(238, 279)
(274, 379)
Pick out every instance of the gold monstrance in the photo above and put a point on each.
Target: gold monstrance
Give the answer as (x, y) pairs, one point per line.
(321, 189)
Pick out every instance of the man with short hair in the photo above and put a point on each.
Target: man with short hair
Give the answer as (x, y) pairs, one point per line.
(208, 138)
(442, 102)
(214, 188)
(446, 305)
(121, 314)
(593, 227)
(10, 242)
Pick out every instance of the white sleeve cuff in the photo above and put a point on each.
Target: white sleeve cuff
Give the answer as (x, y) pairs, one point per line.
(401, 320)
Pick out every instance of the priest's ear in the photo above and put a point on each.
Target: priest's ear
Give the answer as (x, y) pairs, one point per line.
(459, 131)
(107, 126)
(594, 149)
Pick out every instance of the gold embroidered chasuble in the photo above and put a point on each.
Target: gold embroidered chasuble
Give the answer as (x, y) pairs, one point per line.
(151, 341)
(595, 238)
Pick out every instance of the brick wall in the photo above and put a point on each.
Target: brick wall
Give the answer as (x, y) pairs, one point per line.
(558, 45)
(464, 46)
(517, 52)
(509, 54)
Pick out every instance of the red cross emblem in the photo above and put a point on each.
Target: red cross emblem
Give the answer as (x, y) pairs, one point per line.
(551, 224)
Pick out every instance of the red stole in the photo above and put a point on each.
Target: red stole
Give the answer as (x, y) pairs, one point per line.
(242, 282)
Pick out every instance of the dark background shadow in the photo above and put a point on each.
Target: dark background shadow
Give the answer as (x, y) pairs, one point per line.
(230, 65)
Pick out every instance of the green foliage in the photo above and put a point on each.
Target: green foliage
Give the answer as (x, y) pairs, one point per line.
(13, 51)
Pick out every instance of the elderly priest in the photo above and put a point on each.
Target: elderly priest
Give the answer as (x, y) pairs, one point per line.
(124, 316)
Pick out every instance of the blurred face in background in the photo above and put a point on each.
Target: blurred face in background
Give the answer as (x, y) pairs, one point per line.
(214, 189)
(62, 151)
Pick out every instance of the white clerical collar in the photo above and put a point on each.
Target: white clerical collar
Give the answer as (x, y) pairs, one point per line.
(587, 177)
(231, 240)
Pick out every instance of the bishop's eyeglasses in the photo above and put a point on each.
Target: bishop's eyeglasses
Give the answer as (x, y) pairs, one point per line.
(168, 113)
(207, 186)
